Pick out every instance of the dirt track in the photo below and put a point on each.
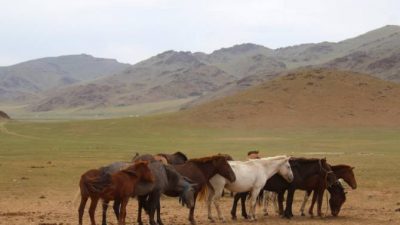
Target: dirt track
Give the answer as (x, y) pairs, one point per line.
(362, 207)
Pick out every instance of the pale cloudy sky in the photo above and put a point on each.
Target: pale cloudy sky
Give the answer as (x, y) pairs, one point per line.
(133, 30)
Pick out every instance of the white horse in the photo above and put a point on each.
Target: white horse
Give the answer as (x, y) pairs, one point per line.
(250, 176)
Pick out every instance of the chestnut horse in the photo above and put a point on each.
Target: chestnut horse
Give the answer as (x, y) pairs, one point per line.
(201, 170)
(342, 171)
(120, 186)
(166, 178)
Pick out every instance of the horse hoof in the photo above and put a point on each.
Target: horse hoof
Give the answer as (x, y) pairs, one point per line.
(302, 214)
(265, 214)
(234, 218)
(192, 222)
(211, 220)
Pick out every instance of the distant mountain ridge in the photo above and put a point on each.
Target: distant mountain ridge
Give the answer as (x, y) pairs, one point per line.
(203, 77)
(29, 79)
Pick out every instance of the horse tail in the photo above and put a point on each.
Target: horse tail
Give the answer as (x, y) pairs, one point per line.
(75, 199)
(260, 198)
(203, 192)
(94, 185)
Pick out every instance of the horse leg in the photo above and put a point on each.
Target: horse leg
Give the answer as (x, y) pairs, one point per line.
(122, 215)
(319, 203)
(104, 218)
(141, 200)
(81, 209)
(266, 202)
(243, 204)
(303, 204)
(314, 198)
(220, 216)
(116, 206)
(253, 201)
(289, 202)
(216, 197)
(92, 209)
(234, 205)
(274, 197)
(191, 212)
(210, 199)
(280, 202)
(159, 213)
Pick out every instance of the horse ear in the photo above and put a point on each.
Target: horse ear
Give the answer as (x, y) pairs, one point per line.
(352, 168)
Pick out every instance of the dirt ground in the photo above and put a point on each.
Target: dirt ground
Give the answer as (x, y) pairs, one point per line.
(362, 207)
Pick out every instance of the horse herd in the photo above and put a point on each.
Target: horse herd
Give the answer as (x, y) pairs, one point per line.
(148, 177)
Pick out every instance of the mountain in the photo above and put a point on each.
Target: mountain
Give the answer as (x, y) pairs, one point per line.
(305, 97)
(167, 76)
(376, 53)
(199, 77)
(27, 80)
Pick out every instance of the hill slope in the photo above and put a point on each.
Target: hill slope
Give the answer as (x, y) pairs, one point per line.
(313, 97)
(29, 79)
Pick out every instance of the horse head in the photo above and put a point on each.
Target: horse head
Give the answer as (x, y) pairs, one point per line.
(223, 168)
(337, 198)
(187, 195)
(143, 171)
(285, 170)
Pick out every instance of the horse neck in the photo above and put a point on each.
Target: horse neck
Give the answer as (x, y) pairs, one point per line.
(308, 169)
(344, 173)
(207, 168)
(272, 165)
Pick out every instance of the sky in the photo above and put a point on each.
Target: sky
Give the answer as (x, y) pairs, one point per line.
(133, 30)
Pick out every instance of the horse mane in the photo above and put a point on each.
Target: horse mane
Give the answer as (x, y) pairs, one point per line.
(206, 159)
(181, 155)
(305, 160)
(341, 167)
(273, 157)
(172, 174)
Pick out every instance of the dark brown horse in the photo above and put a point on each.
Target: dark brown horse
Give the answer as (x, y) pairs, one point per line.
(337, 198)
(342, 171)
(201, 170)
(309, 174)
(174, 159)
(120, 186)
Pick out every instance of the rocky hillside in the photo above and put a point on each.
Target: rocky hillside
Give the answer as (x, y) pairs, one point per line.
(4, 116)
(310, 97)
(27, 80)
(167, 76)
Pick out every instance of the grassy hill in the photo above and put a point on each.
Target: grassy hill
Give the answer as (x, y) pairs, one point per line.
(306, 98)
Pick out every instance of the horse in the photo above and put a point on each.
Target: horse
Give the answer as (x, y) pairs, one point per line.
(169, 182)
(166, 179)
(201, 170)
(250, 176)
(120, 186)
(308, 174)
(337, 198)
(341, 171)
(174, 159)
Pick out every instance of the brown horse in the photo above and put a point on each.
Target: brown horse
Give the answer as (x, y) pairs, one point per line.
(120, 186)
(201, 170)
(342, 171)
